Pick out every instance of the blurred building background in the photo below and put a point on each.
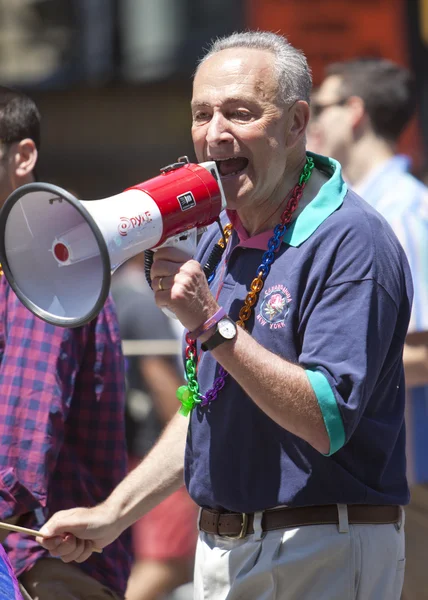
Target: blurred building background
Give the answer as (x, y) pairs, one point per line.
(113, 81)
(113, 77)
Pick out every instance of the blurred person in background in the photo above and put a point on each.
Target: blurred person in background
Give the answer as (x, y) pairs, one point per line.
(313, 136)
(359, 113)
(295, 447)
(62, 433)
(165, 538)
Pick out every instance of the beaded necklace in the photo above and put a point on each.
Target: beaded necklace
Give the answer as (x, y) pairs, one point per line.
(189, 394)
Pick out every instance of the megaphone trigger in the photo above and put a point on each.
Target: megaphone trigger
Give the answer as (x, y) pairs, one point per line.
(186, 242)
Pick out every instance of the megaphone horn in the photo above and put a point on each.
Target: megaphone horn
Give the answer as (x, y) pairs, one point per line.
(58, 253)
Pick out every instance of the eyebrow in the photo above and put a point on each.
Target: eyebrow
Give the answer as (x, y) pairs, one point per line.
(229, 100)
(198, 104)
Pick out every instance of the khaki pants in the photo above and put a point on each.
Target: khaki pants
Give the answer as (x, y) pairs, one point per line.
(316, 562)
(51, 579)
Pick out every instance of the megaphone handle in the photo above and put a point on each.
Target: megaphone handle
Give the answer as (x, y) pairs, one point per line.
(148, 261)
(213, 260)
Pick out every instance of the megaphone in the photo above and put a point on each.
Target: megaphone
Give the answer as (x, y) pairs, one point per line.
(58, 253)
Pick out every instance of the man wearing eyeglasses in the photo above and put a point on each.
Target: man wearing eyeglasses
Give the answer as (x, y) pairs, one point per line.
(358, 115)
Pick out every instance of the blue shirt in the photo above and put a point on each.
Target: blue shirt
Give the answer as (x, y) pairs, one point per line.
(337, 302)
(403, 201)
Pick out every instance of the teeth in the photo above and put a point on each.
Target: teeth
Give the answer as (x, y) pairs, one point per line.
(228, 158)
(229, 174)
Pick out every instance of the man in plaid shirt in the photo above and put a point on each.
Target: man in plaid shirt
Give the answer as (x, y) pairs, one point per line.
(62, 437)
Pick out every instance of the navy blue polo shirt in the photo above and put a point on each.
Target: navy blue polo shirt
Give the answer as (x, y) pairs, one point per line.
(337, 302)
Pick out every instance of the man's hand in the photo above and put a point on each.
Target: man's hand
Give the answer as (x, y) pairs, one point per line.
(74, 534)
(180, 285)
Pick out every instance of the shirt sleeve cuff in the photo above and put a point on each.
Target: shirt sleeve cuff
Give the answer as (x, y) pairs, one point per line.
(329, 410)
(15, 498)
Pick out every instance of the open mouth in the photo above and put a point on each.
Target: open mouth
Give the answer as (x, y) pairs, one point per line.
(231, 166)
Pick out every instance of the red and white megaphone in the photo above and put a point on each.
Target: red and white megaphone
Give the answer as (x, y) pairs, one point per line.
(58, 252)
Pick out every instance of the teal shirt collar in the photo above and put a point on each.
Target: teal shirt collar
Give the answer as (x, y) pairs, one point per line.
(328, 199)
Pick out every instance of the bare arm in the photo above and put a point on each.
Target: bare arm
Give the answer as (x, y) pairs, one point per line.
(75, 532)
(155, 478)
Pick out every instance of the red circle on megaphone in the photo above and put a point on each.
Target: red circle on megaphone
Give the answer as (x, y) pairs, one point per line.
(61, 252)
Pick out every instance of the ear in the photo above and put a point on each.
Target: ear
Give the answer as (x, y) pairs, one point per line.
(25, 157)
(357, 111)
(299, 114)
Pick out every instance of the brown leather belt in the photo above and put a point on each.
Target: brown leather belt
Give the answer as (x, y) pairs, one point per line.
(238, 525)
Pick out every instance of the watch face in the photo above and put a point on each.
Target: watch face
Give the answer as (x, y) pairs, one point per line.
(227, 329)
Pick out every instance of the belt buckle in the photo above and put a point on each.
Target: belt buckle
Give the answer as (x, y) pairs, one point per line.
(243, 532)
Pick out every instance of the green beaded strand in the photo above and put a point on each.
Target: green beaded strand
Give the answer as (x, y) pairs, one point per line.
(188, 395)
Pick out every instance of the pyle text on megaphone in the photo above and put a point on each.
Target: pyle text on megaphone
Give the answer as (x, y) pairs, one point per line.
(58, 253)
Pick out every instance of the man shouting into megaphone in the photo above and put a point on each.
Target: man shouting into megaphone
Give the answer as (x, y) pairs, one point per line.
(291, 422)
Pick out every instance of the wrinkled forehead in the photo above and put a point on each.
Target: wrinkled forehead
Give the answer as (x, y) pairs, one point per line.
(235, 72)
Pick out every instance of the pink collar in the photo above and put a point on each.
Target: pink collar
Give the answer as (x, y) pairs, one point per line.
(258, 241)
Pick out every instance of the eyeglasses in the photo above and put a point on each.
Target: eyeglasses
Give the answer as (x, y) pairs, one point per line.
(318, 109)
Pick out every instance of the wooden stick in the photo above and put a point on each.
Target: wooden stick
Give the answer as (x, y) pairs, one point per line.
(34, 532)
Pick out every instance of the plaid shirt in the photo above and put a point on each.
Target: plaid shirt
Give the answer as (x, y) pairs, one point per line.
(62, 436)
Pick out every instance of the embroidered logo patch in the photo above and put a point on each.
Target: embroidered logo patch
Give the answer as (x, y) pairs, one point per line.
(275, 307)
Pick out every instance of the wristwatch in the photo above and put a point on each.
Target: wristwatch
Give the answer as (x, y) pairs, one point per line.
(225, 330)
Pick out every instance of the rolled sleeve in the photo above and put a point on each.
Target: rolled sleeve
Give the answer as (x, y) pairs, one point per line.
(15, 498)
(329, 410)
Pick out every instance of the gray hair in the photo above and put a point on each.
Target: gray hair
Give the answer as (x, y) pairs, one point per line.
(291, 67)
